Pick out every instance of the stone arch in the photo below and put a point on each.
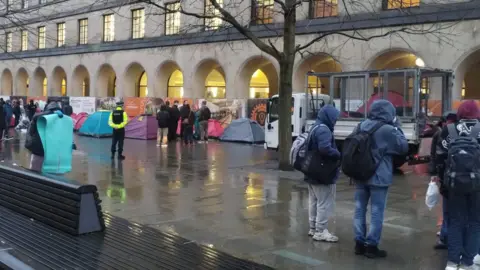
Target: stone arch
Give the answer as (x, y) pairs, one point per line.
(393, 58)
(321, 63)
(209, 80)
(7, 82)
(39, 85)
(132, 76)
(58, 85)
(22, 82)
(467, 70)
(261, 68)
(80, 83)
(106, 81)
(166, 84)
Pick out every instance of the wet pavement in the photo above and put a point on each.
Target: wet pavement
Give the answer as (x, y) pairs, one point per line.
(229, 196)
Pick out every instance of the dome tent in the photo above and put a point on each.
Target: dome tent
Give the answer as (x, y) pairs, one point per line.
(96, 125)
(243, 130)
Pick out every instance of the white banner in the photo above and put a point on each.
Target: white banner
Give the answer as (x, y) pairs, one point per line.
(83, 104)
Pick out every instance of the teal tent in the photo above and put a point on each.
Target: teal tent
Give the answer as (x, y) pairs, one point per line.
(96, 125)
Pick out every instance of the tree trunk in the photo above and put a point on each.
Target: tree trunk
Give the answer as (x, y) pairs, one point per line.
(285, 92)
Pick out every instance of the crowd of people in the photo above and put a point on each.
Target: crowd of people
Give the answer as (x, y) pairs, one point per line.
(367, 158)
(169, 119)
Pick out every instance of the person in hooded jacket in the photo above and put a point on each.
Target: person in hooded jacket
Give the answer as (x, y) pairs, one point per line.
(67, 108)
(33, 141)
(389, 141)
(322, 197)
(463, 232)
(448, 118)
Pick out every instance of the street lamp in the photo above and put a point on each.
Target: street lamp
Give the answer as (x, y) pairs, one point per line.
(419, 62)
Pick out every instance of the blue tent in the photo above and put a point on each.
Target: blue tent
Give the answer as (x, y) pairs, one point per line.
(243, 130)
(96, 125)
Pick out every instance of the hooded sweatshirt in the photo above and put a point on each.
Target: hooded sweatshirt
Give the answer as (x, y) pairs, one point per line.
(468, 114)
(323, 139)
(389, 141)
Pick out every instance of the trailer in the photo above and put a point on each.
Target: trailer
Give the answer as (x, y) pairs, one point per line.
(417, 94)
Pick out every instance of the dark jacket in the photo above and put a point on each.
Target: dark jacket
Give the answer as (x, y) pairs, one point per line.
(8, 110)
(322, 139)
(184, 111)
(432, 168)
(33, 142)
(2, 118)
(67, 110)
(163, 118)
(389, 141)
(174, 115)
(205, 114)
(463, 128)
(17, 111)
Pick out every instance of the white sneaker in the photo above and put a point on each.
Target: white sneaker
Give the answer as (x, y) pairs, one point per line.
(311, 232)
(476, 259)
(451, 266)
(325, 236)
(463, 267)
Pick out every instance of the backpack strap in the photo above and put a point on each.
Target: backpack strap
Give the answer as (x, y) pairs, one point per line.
(475, 131)
(452, 131)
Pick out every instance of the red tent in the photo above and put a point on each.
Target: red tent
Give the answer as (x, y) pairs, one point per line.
(78, 120)
(215, 128)
(394, 97)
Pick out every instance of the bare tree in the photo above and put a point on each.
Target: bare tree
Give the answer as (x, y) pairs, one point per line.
(285, 32)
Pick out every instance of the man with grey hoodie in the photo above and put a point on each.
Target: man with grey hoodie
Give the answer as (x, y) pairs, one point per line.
(388, 141)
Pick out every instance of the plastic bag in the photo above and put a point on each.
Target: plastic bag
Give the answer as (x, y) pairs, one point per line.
(433, 195)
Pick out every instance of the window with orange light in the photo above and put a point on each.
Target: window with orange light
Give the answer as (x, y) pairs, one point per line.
(394, 4)
(323, 8)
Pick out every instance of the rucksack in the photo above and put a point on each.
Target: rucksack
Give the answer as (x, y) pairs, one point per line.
(357, 157)
(299, 148)
(205, 114)
(162, 118)
(462, 168)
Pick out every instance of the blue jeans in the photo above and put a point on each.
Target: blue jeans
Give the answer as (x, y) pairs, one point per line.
(188, 134)
(378, 198)
(463, 227)
(444, 230)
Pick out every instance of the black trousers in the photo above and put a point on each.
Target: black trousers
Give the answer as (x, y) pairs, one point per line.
(172, 131)
(117, 138)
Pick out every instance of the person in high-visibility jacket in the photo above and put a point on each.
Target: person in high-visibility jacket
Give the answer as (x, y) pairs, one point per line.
(118, 120)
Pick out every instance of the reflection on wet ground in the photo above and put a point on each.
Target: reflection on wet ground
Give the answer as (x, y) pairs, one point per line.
(227, 196)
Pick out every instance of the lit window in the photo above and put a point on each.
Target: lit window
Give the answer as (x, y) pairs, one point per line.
(108, 28)
(60, 34)
(138, 23)
(24, 4)
(393, 4)
(263, 11)
(64, 87)
(83, 31)
(8, 42)
(41, 37)
(142, 85)
(44, 87)
(172, 18)
(175, 85)
(463, 89)
(24, 40)
(210, 10)
(86, 87)
(323, 8)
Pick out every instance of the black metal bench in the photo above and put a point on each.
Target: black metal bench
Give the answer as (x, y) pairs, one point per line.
(53, 200)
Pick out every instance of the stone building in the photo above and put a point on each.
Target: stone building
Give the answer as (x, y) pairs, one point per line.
(125, 48)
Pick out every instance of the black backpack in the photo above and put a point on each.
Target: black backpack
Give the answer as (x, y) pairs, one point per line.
(162, 118)
(462, 170)
(205, 114)
(357, 157)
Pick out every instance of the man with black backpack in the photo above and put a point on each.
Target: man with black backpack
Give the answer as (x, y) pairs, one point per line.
(368, 159)
(163, 117)
(321, 169)
(458, 160)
